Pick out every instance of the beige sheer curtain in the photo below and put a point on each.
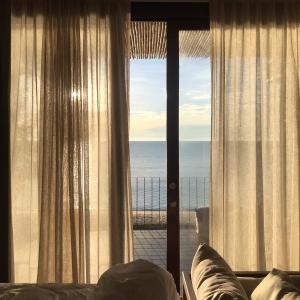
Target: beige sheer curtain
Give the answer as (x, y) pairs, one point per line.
(71, 211)
(255, 204)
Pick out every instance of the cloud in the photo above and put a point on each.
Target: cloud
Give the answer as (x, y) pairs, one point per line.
(139, 79)
(148, 99)
(195, 113)
(152, 125)
(201, 97)
(140, 121)
(188, 95)
(148, 125)
(195, 133)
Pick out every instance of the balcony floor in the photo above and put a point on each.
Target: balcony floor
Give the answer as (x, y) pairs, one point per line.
(152, 245)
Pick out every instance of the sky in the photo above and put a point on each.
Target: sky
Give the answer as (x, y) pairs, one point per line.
(148, 99)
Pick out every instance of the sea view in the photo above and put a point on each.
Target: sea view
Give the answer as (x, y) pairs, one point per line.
(148, 157)
(149, 171)
(149, 197)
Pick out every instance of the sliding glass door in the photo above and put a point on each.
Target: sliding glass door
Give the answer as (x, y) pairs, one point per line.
(194, 141)
(188, 142)
(148, 156)
(170, 142)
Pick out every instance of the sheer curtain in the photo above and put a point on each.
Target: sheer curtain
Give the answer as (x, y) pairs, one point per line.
(255, 204)
(71, 209)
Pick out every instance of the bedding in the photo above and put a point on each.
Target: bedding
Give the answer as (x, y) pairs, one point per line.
(49, 291)
(137, 280)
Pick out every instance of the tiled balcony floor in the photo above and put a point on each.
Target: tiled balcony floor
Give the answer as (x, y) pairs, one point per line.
(152, 245)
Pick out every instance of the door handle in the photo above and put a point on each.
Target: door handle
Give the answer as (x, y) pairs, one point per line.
(173, 204)
(172, 186)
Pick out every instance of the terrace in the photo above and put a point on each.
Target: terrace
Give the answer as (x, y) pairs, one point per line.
(150, 217)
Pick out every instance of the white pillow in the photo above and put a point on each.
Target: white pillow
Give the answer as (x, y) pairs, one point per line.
(276, 285)
(137, 280)
(212, 278)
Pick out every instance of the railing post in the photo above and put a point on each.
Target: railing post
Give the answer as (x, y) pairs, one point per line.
(152, 200)
(155, 212)
(196, 192)
(180, 191)
(159, 200)
(189, 199)
(137, 200)
(144, 200)
(204, 191)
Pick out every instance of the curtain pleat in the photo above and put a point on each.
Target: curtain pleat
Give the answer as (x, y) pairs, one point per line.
(71, 209)
(255, 203)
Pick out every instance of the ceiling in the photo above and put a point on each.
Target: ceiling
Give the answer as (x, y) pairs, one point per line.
(148, 41)
(170, 1)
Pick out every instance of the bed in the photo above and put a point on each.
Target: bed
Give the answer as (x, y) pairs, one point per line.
(136, 280)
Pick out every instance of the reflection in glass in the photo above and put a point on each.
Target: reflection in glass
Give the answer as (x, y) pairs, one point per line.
(148, 159)
(194, 135)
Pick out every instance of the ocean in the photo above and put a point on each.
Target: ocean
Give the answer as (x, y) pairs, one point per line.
(148, 161)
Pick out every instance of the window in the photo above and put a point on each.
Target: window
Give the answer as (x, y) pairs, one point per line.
(194, 141)
(172, 56)
(179, 16)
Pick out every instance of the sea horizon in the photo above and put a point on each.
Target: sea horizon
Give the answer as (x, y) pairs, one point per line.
(148, 160)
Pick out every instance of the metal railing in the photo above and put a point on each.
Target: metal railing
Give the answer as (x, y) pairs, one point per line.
(149, 200)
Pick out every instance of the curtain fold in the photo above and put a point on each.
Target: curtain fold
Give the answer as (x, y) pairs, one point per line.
(71, 206)
(255, 203)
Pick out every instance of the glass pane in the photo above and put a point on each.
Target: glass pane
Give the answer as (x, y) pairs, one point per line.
(148, 155)
(194, 136)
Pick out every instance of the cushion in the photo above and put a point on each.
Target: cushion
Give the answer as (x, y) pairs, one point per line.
(295, 279)
(212, 278)
(249, 283)
(276, 285)
(137, 280)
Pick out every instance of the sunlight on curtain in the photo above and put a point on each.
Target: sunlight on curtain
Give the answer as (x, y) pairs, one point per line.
(255, 215)
(71, 210)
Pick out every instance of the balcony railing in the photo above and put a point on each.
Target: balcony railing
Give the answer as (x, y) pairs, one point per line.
(149, 200)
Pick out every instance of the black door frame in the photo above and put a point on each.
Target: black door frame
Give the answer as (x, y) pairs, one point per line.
(5, 20)
(173, 241)
(178, 16)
